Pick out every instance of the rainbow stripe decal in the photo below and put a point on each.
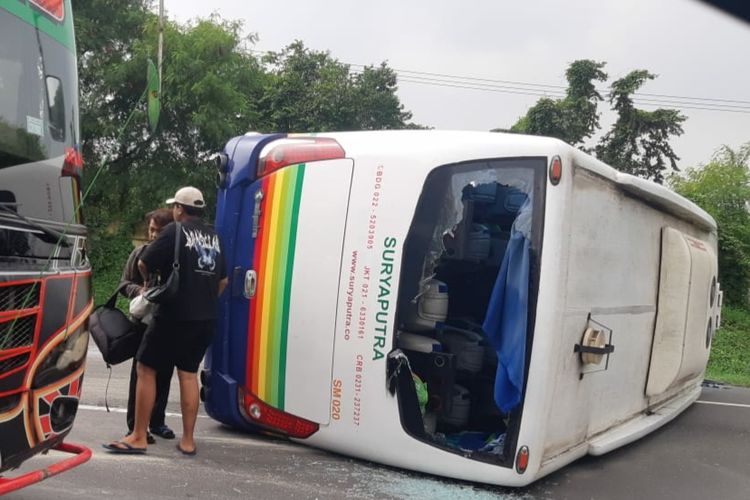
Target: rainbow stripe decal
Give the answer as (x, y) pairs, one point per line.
(273, 261)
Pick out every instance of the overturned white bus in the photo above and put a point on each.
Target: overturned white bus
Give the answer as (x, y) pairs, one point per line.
(481, 306)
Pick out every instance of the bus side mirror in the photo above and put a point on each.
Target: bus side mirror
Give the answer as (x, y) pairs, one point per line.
(221, 160)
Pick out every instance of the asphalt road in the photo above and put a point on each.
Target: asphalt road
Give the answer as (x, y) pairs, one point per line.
(704, 453)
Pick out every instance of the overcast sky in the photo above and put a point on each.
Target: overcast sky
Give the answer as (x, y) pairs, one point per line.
(696, 51)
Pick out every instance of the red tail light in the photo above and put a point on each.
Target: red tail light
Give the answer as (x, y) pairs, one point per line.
(73, 164)
(259, 413)
(522, 459)
(555, 171)
(292, 151)
(55, 8)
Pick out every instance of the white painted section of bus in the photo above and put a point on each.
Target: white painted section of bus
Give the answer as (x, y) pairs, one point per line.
(669, 335)
(703, 270)
(601, 259)
(640, 426)
(315, 280)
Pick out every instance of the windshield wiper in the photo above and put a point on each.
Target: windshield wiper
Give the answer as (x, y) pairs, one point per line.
(48, 235)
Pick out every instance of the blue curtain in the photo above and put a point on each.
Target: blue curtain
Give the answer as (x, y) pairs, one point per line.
(506, 321)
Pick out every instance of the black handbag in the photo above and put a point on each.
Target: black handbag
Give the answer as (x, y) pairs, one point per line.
(167, 290)
(115, 335)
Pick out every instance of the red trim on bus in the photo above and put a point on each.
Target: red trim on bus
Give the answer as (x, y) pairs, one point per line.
(71, 299)
(81, 455)
(75, 388)
(24, 281)
(55, 337)
(16, 351)
(17, 313)
(14, 371)
(6, 316)
(12, 393)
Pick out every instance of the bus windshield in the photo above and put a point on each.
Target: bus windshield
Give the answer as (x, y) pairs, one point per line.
(39, 185)
(45, 276)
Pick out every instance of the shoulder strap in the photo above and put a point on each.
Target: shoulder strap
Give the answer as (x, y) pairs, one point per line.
(113, 299)
(176, 261)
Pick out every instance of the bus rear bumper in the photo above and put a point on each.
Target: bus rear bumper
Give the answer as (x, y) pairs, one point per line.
(220, 397)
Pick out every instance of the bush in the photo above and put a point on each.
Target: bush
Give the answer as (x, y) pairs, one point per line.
(730, 349)
(722, 188)
(108, 254)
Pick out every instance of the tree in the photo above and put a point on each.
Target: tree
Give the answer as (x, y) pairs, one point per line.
(638, 142)
(211, 86)
(311, 91)
(574, 118)
(722, 188)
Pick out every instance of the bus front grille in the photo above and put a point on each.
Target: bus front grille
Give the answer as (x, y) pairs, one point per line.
(15, 297)
(17, 332)
(11, 363)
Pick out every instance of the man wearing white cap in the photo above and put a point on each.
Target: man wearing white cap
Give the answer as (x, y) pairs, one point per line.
(183, 326)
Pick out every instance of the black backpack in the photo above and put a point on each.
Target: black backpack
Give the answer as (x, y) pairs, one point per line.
(115, 335)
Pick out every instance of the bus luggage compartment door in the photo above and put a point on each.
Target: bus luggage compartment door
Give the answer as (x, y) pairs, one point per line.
(687, 307)
(299, 236)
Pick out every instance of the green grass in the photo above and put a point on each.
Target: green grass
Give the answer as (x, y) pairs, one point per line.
(105, 283)
(730, 351)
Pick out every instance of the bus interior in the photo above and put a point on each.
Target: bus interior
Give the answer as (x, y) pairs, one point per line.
(465, 306)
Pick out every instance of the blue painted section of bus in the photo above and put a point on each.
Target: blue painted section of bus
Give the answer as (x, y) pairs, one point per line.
(226, 363)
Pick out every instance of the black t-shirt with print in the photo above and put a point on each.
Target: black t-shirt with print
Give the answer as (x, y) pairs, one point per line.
(201, 269)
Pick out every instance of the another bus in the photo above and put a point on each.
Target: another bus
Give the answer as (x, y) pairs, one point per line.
(482, 306)
(45, 275)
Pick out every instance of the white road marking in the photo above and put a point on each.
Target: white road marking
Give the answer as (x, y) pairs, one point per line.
(124, 410)
(211, 439)
(717, 403)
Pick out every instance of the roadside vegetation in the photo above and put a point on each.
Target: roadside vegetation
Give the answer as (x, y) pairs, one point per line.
(216, 86)
(730, 351)
(722, 188)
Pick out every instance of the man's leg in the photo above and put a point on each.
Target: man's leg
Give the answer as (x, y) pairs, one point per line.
(189, 401)
(130, 416)
(145, 393)
(163, 380)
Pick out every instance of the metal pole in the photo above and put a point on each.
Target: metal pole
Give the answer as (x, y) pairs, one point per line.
(161, 40)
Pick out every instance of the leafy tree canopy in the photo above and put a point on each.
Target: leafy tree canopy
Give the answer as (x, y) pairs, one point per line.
(722, 188)
(310, 90)
(213, 88)
(574, 118)
(637, 143)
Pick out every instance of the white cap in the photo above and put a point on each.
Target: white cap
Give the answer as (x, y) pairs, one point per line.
(188, 196)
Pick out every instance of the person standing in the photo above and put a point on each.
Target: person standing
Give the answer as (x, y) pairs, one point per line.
(182, 328)
(131, 278)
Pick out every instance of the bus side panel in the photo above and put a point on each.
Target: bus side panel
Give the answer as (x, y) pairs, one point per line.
(614, 281)
(612, 284)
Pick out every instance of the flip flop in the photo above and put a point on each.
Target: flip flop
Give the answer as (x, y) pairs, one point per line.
(188, 453)
(150, 439)
(123, 448)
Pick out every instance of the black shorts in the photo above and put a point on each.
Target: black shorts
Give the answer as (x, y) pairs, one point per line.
(168, 343)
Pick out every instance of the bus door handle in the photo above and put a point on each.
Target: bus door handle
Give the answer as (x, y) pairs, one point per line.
(256, 212)
(251, 282)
